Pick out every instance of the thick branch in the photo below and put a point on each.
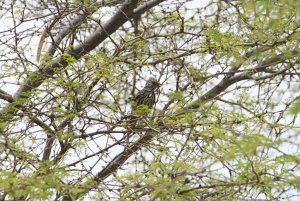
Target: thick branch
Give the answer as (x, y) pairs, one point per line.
(143, 8)
(74, 23)
(103, 33)
(36, 79)
(63, 33)
(228, 81)
(119, 160)
(5, 96)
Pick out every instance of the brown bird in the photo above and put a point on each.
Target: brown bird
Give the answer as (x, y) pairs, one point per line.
(147, 95)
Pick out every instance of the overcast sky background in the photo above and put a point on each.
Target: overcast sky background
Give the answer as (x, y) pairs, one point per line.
(8, 84)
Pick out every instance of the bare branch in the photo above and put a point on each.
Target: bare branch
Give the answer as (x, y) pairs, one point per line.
(119, 160)
(228, 81)
(5, 96)
(37, 78)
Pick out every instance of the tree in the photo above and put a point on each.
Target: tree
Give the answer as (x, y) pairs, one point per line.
(224, 126)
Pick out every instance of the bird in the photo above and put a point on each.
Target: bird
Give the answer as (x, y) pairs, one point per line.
(142, 104)
(147, 95)
(144, 101)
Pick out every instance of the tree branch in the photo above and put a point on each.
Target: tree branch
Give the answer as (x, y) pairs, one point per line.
(119, 160)
(146, 6)
(35, 79)
(228, 81)
(5, 96)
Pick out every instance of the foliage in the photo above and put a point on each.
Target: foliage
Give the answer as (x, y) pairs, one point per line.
(225, 124)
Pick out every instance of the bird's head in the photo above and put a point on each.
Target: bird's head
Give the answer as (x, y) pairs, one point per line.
(152, 83)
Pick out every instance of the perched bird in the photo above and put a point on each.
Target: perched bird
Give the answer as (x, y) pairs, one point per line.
(144, 101)
(147, 95)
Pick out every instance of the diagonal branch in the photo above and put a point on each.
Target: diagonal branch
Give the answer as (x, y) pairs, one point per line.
(119, 160)
(228, 81)
(35, 79)
(74, 23)
(50, 139)
(5, 96)
(146, 6)
(77, 21)
(122, 157)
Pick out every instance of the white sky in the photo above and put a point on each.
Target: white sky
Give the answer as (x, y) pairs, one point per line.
(11, 88)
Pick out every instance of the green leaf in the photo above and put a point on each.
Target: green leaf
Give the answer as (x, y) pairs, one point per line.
(142, 110)
(176, 95)
(295, 109)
